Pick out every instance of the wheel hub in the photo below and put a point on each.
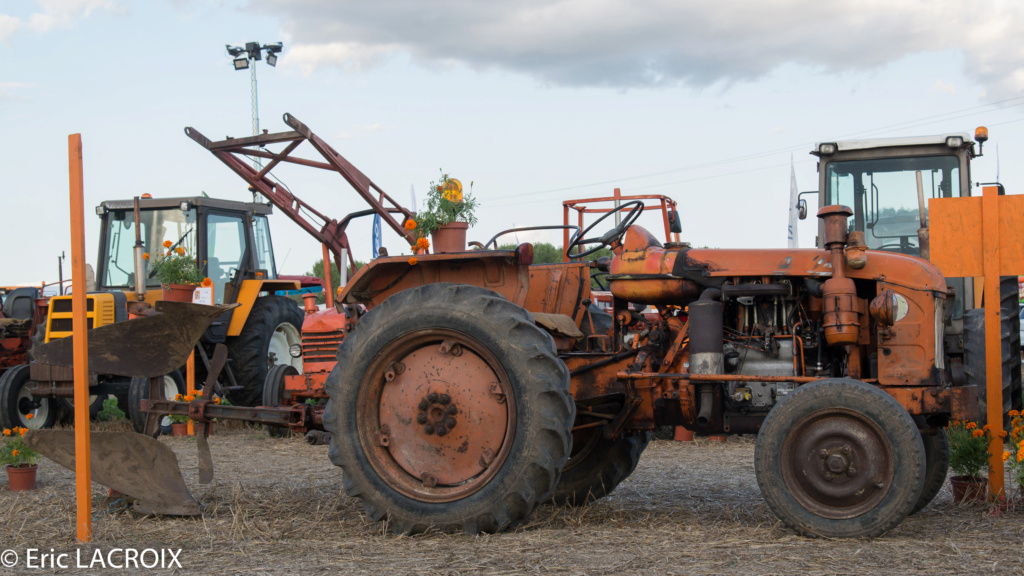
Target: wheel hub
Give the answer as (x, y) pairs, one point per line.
(837, 463)
(443, 416)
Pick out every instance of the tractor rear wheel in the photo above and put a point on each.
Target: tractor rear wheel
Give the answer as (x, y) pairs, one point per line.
(173, 384)
(1009, 337)
(449, 410)
(273, 325)
(18, 408)
(936, 452)
(841, 459)
(597, 466)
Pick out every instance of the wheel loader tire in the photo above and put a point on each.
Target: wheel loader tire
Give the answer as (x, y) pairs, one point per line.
(839, 458)
(936, 455)
(66, 411)
(138, 391)
(974, 350)
(449, 410)
(17, 403)
(274, 395)
(273, 325)
(597, 466)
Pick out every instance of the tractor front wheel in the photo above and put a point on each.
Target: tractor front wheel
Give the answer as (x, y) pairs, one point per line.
(449, 410)
(841, 459)
(274, 394)
(173, 384)
(18, 408)
(936, 453)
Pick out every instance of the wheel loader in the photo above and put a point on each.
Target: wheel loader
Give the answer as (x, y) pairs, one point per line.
(233, 244)
(468, 393)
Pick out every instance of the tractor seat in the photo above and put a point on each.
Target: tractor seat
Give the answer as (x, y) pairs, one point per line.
(21, 302)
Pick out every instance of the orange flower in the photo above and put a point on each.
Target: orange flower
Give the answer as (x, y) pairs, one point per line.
(985, 427)
(22, 431)
(199, 393)
(167, 243)
(410, 224)
(189, 398)
(207, 283)
(1020, 456)
(412, 261)
(180, 251)
(216, 400)
(178, 397)
(1006, 455)
(145, 255)
(971, 425)
(422, 243)
(14, 453)
(29, 416)
(978, 433)
(7, 431)
(1012, 413)
(1002, 433)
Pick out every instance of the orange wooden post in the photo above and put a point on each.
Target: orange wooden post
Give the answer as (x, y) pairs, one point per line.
(83, 457)
(983, 237)
(993, 344)
(190, 386)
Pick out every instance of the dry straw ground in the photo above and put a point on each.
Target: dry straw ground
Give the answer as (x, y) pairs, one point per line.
(690, 508)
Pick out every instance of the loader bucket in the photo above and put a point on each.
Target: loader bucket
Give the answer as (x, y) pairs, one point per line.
(145, 347)
(136, 465)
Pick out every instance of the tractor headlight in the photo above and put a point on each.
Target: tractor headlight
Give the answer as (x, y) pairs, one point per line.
(295, 350)
(954, 141)
(827, 148)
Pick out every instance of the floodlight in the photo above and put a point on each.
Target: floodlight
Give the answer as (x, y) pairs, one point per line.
(241, 63)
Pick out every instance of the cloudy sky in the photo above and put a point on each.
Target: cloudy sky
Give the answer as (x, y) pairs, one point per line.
(534, 101)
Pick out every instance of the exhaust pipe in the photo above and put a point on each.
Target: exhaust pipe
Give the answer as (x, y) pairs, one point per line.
(707, 340)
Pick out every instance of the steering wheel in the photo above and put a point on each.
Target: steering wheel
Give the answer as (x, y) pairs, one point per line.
(580, 239)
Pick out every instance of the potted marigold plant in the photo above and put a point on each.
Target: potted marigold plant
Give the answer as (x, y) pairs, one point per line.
(1014, 456)
(19, 459)
(178, 272)
(448, 215)
(968, 455)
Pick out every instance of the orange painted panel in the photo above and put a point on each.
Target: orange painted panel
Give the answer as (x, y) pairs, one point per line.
(956, 235)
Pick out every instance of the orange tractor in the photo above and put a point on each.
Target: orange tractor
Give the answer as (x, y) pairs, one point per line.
(475, 385)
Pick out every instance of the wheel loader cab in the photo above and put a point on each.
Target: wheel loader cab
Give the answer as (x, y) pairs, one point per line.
(227, 238)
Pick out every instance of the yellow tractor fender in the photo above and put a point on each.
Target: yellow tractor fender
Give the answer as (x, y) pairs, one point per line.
(247, 296)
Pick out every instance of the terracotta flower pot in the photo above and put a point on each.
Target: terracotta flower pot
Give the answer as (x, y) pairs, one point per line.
(449, 238)
(682, 434)
(22, 476)
(968, 488)
(179, 429)
(177, 292)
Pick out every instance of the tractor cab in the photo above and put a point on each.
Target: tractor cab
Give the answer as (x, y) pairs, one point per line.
(888, 181)
(879, 180)
(228, 238)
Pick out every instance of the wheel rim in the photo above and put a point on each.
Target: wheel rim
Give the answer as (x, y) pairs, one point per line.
(170, 392)
(279, 350)
(39, 408)
(417, 387)
(837, 463)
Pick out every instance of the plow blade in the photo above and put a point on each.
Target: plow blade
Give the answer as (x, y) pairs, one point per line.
(133, 464)
(144, 347)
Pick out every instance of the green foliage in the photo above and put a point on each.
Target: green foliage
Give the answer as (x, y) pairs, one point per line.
(968, 448)
(445, 204)
(110, 411)
(176, 266)
(318, 271)
(14, 451)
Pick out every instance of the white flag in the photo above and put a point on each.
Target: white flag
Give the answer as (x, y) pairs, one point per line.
(794, 212)
(412, 196)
